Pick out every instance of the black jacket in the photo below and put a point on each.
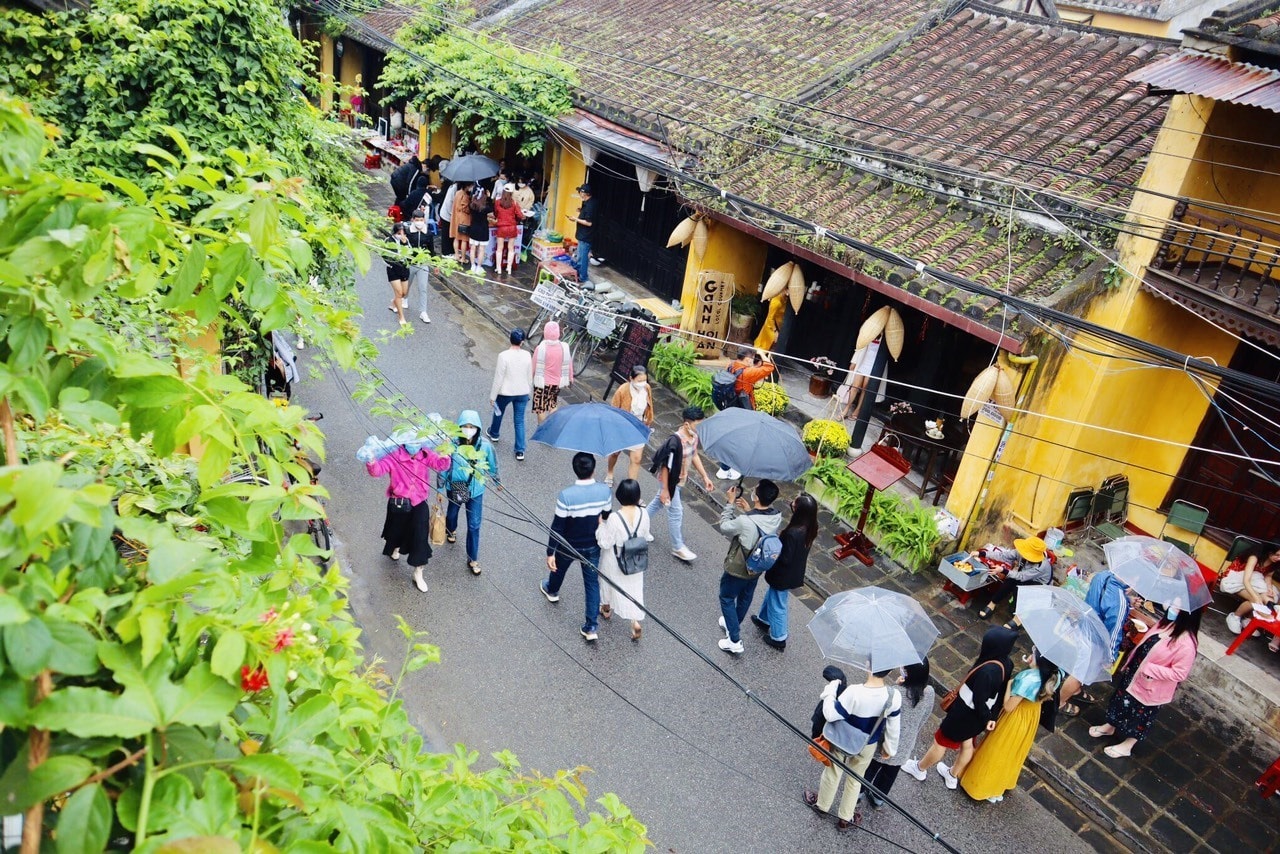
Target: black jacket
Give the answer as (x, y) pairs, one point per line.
(787, 573)
(402, 178)
(670, 454)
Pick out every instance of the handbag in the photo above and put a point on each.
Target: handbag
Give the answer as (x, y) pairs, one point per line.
(951, 695)
(633, 554)
(823, 742)
(396, 504)
(460, 493)
(437, 522)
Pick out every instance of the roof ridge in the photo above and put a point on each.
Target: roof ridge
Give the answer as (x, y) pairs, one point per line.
(1036, 20)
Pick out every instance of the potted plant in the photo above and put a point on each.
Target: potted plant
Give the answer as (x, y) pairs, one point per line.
(823, 377)
(772, 398)
(742, 318)
(825, 438)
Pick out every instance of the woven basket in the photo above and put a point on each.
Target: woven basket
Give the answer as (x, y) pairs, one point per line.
(1005, 394)
(979, 391)
(699, 243)
(682, 233)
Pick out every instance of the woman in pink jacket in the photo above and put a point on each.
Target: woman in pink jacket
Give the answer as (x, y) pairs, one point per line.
(1147, 679)
(552, 371)
(407, 529)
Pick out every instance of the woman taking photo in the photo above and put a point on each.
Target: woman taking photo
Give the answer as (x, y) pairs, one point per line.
(628, 521)
(787, 572)
(1148, 678)
(998, 762)
(974, 709)
(1251, 577)
(478, 231)
(917, 706)
(398, 271)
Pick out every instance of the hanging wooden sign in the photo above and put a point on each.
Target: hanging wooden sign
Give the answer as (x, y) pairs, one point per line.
(711, 314)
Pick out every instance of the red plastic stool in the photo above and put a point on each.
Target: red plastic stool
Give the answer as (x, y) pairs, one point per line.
(1255, 624)
(1269, 782)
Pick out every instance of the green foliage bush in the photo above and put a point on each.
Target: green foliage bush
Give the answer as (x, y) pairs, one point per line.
(825, 438)
(903, 526)
(674, 363)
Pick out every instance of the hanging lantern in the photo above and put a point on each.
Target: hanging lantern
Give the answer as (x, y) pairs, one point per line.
(980, 390)
(796, 287)
(894, 332)
(872, 327)
(699, 243)
(682, 233)
(778, 282)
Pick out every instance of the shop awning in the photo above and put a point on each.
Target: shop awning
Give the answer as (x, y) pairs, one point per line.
(1214, 77)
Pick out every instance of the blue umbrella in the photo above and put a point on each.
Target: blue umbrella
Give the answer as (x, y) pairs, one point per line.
(596, 428)
(755, 443)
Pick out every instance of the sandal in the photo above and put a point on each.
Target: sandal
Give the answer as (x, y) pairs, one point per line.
(1274, 646)
(450, 537)
(1071, 710)
(1100, 731)
(985, 613)
(606, 611)
(1115, 752)
(474, 566)
(1086, 697)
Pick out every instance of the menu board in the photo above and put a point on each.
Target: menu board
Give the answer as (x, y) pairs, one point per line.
(638, 338)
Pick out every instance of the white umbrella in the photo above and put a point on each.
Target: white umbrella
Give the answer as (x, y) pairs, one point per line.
(873, 629)
(1066, 631)
(1158, 571)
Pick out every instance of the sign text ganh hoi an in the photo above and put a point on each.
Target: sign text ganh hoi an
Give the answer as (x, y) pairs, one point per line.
(711, 318)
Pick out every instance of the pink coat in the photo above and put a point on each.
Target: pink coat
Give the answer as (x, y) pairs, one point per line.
(410, 475)
(1168, 663)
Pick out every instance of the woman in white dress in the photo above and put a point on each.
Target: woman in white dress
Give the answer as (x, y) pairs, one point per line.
(629, 520)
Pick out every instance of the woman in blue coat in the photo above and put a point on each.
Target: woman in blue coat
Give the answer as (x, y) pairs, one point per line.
(472, 465)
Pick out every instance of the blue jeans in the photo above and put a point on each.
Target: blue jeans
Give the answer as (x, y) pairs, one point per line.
(584, 261)
(475, 510)
(518, 404)
(735, 601)
(590, 581)
(773, 610)
(675, 517)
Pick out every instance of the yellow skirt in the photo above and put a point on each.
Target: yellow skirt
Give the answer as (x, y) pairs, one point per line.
(998, 762)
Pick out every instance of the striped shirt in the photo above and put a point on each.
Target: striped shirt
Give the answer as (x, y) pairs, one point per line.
(578, 509)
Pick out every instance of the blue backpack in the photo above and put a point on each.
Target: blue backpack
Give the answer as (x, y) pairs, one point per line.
(764, 554)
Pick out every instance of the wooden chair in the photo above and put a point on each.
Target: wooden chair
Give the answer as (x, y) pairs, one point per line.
(1110, 508)
(1188, 517)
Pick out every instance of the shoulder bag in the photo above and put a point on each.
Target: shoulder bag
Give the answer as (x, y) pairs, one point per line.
(460, 493)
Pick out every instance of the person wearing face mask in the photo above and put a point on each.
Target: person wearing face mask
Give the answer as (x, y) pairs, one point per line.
(1029, 704)
(1148, 679)
(634, 397)
(398, 271)
(472, 465)
(407, 528)
(420, 239)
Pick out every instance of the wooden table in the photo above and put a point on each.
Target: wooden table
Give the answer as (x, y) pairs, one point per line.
(938, 452)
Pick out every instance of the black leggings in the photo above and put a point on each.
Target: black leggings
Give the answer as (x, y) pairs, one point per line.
(1004, 590)
(881, 776)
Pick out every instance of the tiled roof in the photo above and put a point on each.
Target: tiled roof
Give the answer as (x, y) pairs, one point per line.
(675, 49)
(1135, 8)
(984, 92)
(915, 224)
(1252, 23)
(386, 20)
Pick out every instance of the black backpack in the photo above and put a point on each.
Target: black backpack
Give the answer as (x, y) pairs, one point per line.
(633, 554)
(724, 388)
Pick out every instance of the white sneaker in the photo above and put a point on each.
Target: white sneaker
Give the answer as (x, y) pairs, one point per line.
(728, 474)
(419, 580)
(404, 303)
(551, 597)
(912, 767)
(300, 344)
(944, 770)
(424, 317)
(588, 636)
(730, 647)
(1233, 623)
(723, 627)
(995, 799)
(594, 261)
(395, 554)
(685, 554)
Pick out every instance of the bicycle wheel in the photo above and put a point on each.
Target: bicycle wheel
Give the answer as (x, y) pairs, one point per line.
(323, 535)
(533, 334)
(583, 349)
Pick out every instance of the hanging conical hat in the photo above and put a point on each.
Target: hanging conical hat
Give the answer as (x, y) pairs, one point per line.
(872, 327)
(1004, 393)
(699, 243)
(893, 333)
(777, 283)
(979, 391)
(796, 288)
(682, 233)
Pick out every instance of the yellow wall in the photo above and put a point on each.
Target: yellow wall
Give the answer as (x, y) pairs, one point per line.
(441, 141)
(1045, 457)
(1123, 23)
(571, 172)
(728, 251)
(352, 62)
(326, 73)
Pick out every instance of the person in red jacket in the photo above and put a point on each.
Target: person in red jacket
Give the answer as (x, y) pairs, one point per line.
(751, 367)
(508, 216)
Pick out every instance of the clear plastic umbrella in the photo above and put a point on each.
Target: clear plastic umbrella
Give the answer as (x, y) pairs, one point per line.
(1158, 571)
(873, 629)
(1066, 631)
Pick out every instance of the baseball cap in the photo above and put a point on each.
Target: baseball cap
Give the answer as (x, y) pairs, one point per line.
(584, 188)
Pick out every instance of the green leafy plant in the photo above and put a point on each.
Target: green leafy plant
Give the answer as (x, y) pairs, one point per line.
(772, 398)
(825, 438)
(744, 304)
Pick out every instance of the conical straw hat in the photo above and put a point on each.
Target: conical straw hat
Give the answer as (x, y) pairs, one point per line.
(796, 288)
(872, 327)
(979, 391)
(777, 282)
(682, 233)
(1004, 393)
(699, 243)
(893, 333)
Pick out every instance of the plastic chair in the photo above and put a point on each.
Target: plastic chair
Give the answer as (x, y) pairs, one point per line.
(1111, 508)
(1079, 507)
(1188, 517)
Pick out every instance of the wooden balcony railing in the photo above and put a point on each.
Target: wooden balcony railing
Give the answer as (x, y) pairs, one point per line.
(1231, 259)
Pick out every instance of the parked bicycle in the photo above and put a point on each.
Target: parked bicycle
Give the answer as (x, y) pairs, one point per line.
(587, 317)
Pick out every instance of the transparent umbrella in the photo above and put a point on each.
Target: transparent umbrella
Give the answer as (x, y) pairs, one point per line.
(873, 628)
(1158, 571)
(1066, 631)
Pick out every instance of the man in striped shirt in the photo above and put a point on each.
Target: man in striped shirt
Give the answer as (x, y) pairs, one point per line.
(573, 537)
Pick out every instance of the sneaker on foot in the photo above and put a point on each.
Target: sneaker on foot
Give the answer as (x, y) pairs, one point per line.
(776, 644)
(595, 262)
(395, 554)
(912, 767)
(728, 474)
(944, 770)
(685, 554)
(759, 623)
(1233, 623)
(995, 799)
(520, 456)
(404, 303)
(493, 438)
(551, 597)
(300, 344)
(723, 627)
(588, 635)
(730, 647)
(419, 580)
(424, 317)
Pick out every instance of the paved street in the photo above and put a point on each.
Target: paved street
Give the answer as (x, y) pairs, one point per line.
(699, 763)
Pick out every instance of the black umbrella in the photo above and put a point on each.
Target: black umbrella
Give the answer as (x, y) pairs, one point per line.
(472, 167)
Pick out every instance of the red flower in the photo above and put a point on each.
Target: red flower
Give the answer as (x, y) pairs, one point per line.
(269, 615)
(253, 680)
(284, 638)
